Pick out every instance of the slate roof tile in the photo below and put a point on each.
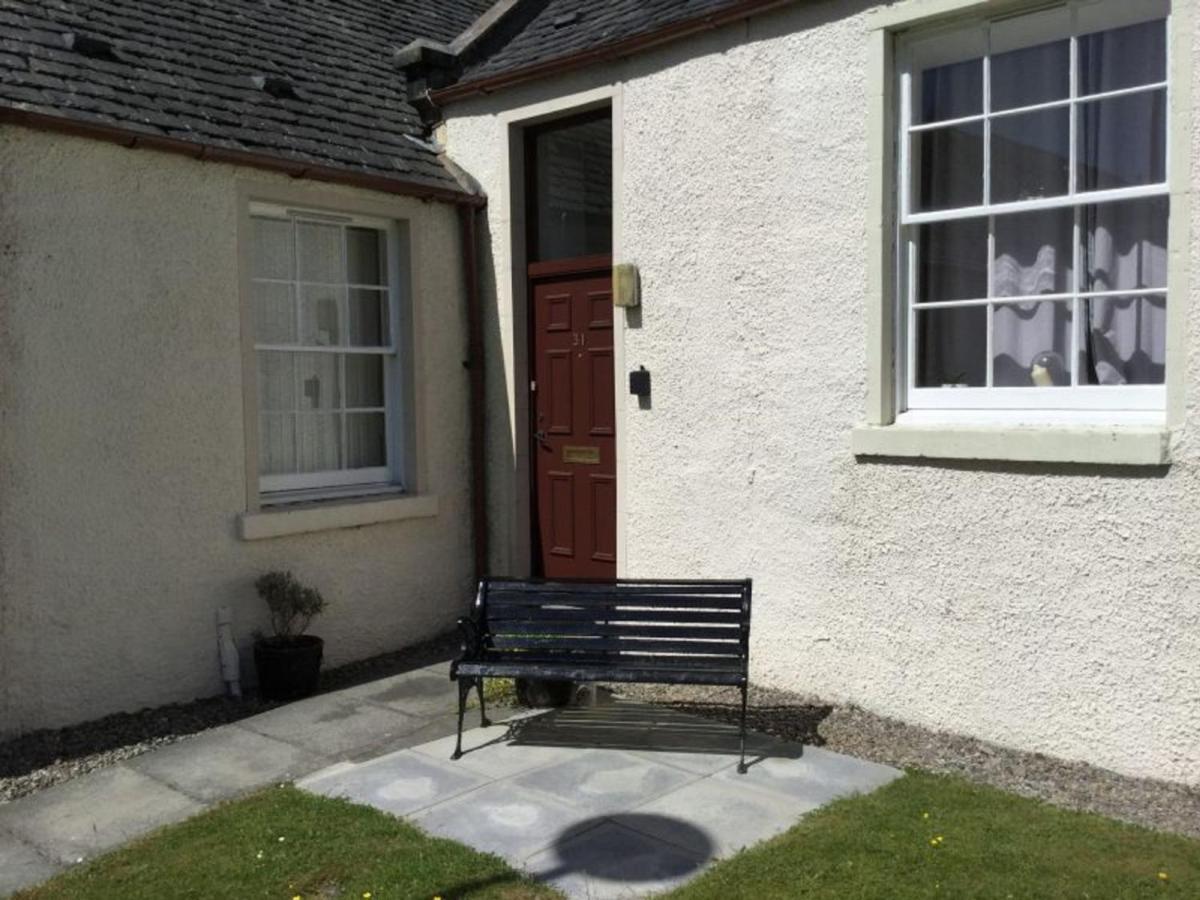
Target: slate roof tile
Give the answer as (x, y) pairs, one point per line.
(184, 70)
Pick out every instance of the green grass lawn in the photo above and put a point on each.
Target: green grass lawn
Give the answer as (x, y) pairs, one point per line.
(284, 843)
(922, 836)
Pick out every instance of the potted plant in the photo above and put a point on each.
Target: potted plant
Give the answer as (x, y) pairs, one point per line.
(288, 661)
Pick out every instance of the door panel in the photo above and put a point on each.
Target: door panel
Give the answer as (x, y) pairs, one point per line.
(561, 510)
(574, 423)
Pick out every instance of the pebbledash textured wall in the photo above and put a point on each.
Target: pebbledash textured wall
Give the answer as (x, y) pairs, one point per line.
(122, 456)
(1051, 608)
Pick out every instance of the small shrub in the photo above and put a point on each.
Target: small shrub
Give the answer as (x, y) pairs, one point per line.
(293, 606)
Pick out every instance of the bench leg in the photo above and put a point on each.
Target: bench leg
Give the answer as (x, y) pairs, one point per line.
(483, 719)
(464, 688)
(742, 764)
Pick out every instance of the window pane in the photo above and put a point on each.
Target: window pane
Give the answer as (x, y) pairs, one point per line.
(951, 166)
(1126, 245)
(321, 253)
(276, 381)
(366, 442)
(366, 256)
(572, 183)
(1034, 254)
(1031, 344)
(1032, 75)
(318, 377)
(952, 92)
(1122, 141)
(319, 439)
(952, 347)
(1125, 340)
(1123, 57)
(274, 313)
(952, 261)
(273, 249)
(1031, 155)
(276, 444)
(320, 321)
(364, 380)
(368, 318)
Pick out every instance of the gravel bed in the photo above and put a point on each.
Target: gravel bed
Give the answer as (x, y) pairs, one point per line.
(43, 758)
(846, 729)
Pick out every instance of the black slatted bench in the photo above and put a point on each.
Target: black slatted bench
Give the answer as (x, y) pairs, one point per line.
(657, 632)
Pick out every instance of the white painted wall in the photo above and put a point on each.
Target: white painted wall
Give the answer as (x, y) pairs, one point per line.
(122, 466)
(1047, 608)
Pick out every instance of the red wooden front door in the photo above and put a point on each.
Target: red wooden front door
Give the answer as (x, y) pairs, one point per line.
(574, 421)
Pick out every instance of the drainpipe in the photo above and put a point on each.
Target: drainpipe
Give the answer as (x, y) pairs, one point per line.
(468, 219)
(227, 648)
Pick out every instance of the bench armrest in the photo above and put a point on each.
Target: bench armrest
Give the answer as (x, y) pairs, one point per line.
(472, 645)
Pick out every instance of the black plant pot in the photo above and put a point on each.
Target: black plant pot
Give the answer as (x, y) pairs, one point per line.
(288, 669)
(540, 693)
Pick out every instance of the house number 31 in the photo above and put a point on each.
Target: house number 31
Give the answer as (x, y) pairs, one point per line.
(578, 339)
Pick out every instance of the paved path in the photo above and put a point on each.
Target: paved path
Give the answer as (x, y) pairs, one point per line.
(46, 832)
(611, 800)
(614, 800)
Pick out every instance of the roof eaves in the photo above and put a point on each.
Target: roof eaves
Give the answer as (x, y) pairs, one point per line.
(439, 96)
(209, 152)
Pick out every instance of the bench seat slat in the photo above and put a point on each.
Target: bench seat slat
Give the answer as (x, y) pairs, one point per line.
(614, 658)
(675, 617)
(542, 588)
(644, 601)
(534, 628)
(583, 672)
(716, 648)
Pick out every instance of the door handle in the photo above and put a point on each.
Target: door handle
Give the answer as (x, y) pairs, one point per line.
(539, 436)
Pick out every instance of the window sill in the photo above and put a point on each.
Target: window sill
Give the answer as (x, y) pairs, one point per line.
(1083, 444)
(327, 515)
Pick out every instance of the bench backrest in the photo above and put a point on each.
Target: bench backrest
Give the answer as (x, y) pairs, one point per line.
(626, 622)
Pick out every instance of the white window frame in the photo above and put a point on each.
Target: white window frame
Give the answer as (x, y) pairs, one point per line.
(1117, 404)
(344, 482)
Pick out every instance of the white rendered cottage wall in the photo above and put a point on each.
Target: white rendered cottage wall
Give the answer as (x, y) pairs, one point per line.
(1043, 607)
(122, 456)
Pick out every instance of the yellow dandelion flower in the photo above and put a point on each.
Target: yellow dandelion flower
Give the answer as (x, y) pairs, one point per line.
(1163, 876)
(924, 815)
(366, 895)
(933, 842)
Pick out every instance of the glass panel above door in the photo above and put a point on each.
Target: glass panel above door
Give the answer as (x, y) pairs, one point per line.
(570, 184)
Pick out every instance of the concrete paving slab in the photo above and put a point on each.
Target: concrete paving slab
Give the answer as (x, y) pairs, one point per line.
(501, 819)
(816, 778)
(224, 762)
(488, 752)
(611, 861)
(399, 783)
(716, 818)
(428, 730)
(422, 692)
(611, 822)
(758, 747)
(94, 813)
(664, 735)
(329, 726)
(21, 866)
(604, 781)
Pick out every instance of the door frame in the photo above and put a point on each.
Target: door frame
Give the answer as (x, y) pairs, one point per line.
(520, 545)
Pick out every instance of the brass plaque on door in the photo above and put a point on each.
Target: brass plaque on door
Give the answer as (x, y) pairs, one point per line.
(587, 456)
